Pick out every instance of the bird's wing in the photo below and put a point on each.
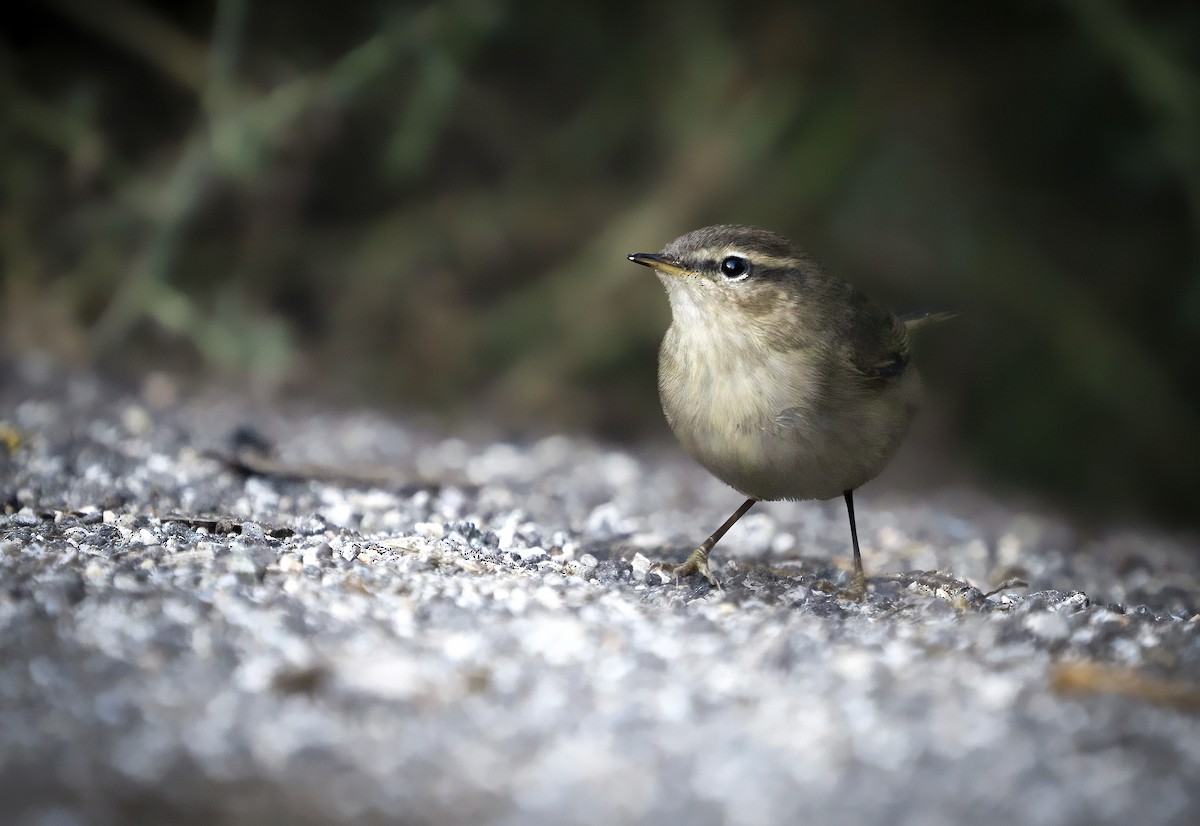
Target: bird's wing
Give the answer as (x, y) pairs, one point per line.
(876, 341)
(873, 348)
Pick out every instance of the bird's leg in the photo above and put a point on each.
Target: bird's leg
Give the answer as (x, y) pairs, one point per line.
(697, 562)
(858, 586)
(858, 568)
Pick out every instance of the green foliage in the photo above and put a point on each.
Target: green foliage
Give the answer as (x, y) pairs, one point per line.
(430, 203)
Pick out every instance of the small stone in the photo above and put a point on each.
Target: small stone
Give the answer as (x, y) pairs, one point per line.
(1050, 625)
(253, 532)
(136, 420)
(317, 555)
(432, 530)
(547, 598)
(309, 525)
(641, 565)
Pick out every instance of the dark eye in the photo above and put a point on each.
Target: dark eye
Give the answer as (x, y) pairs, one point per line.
(734, 266)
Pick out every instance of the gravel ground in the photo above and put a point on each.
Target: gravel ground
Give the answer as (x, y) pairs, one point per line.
(217, 613)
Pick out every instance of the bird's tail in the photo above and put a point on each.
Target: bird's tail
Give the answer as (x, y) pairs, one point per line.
(914, 320)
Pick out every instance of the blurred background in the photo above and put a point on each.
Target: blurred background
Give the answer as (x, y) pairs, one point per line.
(426, 206)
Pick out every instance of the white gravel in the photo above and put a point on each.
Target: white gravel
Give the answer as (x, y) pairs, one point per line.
(484, 639)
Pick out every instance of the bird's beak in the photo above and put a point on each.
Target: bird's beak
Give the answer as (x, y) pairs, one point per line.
(659, 263)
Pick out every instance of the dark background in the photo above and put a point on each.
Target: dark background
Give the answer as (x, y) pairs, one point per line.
(428, 206)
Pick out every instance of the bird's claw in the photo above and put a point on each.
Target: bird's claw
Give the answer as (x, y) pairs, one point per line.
(696, 563)
(855, 591)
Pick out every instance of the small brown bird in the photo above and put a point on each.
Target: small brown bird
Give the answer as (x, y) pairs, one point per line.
(781, 379)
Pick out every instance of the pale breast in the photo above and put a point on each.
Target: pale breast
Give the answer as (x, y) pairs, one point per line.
(766, 422)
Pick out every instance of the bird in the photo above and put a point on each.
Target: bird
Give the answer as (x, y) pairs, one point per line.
(780, 378)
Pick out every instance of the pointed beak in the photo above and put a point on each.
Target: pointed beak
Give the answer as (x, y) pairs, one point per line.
(659, 263)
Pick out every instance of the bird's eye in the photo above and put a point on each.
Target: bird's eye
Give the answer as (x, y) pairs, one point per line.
(735, 268)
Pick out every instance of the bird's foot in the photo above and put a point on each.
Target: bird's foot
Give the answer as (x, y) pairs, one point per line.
(858, 588)
(696, 563)
(856, 591)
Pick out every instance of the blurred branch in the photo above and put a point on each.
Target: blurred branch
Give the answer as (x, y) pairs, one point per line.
(1168, 88)
(425, 114)
(176, 200)
(1096, 351)
(68, 132)
(233, 137)
(227, 34)
(229, 338)
(180, 193)
(176, 55)
(1154, 76)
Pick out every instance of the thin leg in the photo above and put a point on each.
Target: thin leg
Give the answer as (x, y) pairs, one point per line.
(697, 562)
(858, 568)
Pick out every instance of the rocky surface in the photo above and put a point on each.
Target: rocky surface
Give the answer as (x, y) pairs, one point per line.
(216, 613)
